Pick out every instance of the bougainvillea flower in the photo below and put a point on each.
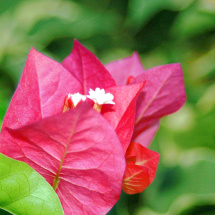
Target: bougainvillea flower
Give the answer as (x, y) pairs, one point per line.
(141, 168)
(80, 152)
(163, 94)
(91, 74)
(100, 97)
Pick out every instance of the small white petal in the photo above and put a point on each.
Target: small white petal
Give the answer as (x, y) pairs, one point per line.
(100, 97)
(76, 98)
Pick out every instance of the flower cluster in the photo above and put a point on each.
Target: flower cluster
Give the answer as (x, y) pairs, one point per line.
(99, 97)
(86, 128)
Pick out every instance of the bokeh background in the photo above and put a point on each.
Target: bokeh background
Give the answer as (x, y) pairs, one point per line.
(163, 32)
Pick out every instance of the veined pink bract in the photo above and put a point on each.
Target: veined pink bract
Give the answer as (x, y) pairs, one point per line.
(163, 94)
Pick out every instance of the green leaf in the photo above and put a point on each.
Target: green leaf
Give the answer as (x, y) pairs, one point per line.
(9, 4)
(141, 11)
(192, 178)
(193, 21)
(24, 191)
(200, 132)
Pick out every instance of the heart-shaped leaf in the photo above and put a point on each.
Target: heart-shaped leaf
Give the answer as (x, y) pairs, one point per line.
(24, 191)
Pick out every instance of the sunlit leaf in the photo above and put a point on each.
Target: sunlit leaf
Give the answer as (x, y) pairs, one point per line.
(24, 191)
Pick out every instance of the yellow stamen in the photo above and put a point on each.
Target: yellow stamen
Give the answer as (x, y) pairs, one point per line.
(97, 107)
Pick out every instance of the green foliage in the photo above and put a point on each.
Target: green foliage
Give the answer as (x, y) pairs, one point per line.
(162, 31)
(24, 191)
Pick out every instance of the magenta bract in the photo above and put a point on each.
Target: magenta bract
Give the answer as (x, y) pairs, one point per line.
(122, 115)
(87, 69)
(121, 70)
(163, 94)
(140, 169)
(41, 90)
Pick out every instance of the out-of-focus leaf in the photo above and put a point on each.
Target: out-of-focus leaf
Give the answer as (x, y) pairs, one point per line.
(36, 26)
(188, 204)
(207, 102)
(199, 134)
(3, 108)
(195, 174)
(141, 11)
(208, 6)
(24, 191)
(85, 24)
(202, 68)
(193, 21)
(5, 95)
(9, 4)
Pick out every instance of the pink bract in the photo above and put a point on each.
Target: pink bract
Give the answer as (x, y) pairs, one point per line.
(122, 69)
(141, 168)
(87, 69)
(163, 94)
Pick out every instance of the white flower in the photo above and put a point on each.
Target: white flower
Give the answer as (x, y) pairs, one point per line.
(100, 97)
(76, 98)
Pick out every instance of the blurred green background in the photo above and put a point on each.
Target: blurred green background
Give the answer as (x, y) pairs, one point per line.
(163, 32)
